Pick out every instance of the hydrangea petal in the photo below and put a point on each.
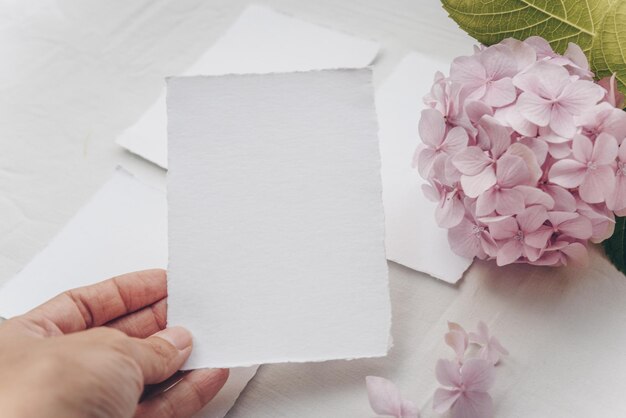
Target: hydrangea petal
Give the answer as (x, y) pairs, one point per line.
(450, 211)
(467, 71)
(408, 409)
(455, 141)
(504, 229)
(579, 228)
(498, 134)
(532, 218)
(384, 396)
(582, 148)
(463, 240)
(597, 185)
(473, 186)
(576, 254)
(473, 405)
(563, 200)
(471, 161)
(580, 96)
(562, 121)
(535, 196)
(443, 399)
(478, 375)
(511, 171)
(432, 127)
(534, 108)
(425, 161)
(539, 238)
(500, 93)
(498, 62)
(509, 202)
(448, 373)
(567, 173)
(616, 201)
(486, 203)
(604, 149)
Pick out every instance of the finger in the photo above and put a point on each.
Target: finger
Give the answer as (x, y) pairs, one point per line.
(144, 322)
(162, 354)
(187, 397)
(95, 305)
(150, 391)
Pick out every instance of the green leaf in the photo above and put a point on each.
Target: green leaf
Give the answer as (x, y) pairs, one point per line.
(615, 247)
(607, 53)
(592, 24)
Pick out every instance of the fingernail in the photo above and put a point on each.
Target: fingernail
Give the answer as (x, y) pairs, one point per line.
(179, 337)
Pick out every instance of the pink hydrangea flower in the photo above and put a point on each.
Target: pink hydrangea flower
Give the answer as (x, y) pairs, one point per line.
(487, 76)
(471, 237)
(551, 98)
(465, 388)
(432, 129)
(522, 235)
(523, 152)
(450, 210)
(590, 168)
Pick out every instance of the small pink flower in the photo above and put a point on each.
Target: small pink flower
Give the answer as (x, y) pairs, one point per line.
(563, 199)
(571, 224)
(477, 163)
(563, 252)
(590, 168)
(471, 238)
(502, 197)
(603, 118)
(448, 99)
(491, 349)
(450, 209)
(521, 236)
(550, 98)
(458, 339)
(432, 129)
(465, 393)
(574, 57)
(487, 76)
(385, 399)
(602, 220)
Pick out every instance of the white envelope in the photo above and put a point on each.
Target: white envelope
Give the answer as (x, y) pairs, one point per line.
(412, 237)
(260, 41)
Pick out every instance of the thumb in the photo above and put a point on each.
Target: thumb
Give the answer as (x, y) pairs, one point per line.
(162, 354)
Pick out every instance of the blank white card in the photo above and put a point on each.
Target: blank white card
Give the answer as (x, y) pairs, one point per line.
(276, 225)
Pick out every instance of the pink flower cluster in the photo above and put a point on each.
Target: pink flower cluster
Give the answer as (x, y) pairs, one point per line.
(466, 380)
(524, 154)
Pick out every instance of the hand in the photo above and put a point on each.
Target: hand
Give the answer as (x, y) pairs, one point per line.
(89, 352)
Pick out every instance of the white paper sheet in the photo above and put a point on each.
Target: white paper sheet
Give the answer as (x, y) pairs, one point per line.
(276, 223)
(412, 237)
(260, 41)
(123, 228)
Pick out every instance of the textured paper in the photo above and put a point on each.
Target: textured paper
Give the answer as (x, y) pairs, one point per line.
(413, 239)
(260, 41)
(122, 229)
(276, 223)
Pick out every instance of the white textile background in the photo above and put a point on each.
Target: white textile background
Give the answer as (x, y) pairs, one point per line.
(75, 73)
